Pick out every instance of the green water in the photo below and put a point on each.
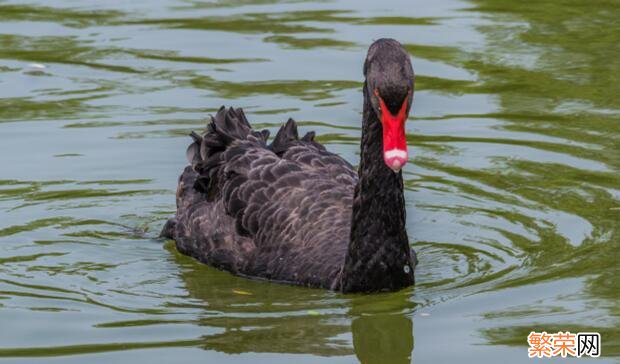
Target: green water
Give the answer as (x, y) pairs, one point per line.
(513, 187)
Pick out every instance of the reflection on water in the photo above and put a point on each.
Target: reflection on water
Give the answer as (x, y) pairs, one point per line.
(513, 190)
(386, 338)
(378, 327)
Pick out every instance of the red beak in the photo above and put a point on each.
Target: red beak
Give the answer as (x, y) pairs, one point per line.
(394, 141)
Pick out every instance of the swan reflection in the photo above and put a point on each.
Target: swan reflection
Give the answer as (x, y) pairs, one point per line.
(261, 317)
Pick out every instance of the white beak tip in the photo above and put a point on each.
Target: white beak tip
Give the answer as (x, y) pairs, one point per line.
(395, 159)
(395, 166)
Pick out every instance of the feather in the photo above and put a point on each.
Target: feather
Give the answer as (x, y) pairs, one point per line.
(193, 154)
(245, 204)
(285, 137)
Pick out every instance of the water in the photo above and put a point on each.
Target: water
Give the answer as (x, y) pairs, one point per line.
(513, 190)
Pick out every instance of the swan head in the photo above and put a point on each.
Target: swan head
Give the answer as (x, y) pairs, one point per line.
(390, 83)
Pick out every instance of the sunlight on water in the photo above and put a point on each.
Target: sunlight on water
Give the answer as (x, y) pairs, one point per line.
(513, 188)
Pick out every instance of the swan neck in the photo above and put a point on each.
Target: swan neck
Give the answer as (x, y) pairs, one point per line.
(379, 256)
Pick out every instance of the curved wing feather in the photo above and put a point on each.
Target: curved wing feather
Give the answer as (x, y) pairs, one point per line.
(280, 212)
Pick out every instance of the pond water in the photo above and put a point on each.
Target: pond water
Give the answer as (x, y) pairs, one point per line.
(513, 187)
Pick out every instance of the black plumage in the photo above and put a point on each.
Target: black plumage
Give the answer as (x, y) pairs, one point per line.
(293, 212)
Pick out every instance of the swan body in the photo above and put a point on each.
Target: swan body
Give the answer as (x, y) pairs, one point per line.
(290, 211)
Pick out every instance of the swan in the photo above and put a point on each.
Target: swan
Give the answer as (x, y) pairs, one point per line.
(293, 212)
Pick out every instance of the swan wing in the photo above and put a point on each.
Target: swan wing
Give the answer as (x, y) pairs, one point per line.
(286, 206)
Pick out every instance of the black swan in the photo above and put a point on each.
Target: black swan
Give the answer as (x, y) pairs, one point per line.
(291, 211)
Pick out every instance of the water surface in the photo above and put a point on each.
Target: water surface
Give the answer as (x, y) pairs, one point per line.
(513, 187)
